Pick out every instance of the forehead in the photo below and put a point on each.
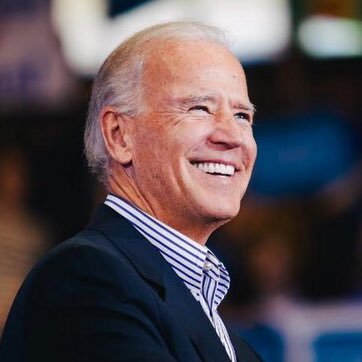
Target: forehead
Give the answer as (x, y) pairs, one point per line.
(199, 65)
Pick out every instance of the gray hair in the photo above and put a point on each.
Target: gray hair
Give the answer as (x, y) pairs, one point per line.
(118, 82)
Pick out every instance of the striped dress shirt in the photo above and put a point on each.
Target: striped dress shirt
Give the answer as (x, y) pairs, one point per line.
(202, 273)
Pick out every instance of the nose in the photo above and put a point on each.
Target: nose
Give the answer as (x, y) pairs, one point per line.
(226, 134)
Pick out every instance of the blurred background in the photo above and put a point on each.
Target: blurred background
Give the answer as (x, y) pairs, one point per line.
(295, 251)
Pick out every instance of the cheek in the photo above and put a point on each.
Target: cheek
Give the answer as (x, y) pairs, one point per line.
(163, 144)
(155, 154)
(193, 134)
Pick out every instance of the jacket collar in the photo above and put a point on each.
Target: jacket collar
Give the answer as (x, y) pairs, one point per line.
(147, 260)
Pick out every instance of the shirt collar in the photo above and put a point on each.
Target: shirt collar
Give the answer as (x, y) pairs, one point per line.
(189, 259)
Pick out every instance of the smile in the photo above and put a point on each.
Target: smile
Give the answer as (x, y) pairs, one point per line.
(215, 168)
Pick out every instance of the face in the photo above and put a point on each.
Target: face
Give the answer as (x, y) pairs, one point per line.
(193, 148)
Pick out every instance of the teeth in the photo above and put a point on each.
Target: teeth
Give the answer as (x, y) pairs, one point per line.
(219, 168)
(230, 170)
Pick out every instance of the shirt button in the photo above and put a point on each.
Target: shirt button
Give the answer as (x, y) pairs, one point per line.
(207, 265)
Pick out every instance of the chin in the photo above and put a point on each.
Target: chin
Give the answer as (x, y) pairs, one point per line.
(217, 207)
(223, 215)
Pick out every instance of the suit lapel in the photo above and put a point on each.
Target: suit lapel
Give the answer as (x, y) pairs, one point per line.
(193, 319)
(152, 266)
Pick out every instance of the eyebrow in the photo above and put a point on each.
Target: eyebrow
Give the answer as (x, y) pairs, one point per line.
(248, 106)
(196, 99)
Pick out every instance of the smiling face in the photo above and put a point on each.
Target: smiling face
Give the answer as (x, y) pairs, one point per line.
(193, 148)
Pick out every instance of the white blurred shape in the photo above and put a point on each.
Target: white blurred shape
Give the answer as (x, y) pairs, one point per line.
(324, 37)
(128, 23)
(260, 29)
(80, 25)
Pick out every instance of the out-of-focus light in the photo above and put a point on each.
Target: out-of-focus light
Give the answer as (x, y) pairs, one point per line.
(325, 37)
(80, 25)
(260, 29)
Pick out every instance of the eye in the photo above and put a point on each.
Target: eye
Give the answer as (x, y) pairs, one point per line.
(199, 109)
(241, 117)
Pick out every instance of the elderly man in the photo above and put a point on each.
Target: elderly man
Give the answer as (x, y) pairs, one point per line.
(170, 135)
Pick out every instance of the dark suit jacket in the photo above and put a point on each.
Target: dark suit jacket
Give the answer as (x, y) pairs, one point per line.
(108, 295)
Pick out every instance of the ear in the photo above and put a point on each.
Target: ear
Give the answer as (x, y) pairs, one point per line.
(116, 135)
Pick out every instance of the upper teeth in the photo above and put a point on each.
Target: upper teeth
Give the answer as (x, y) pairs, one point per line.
(210, 167)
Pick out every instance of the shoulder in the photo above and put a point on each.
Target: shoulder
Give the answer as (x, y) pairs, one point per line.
(81, 298)
(81, 268)
(87, 248)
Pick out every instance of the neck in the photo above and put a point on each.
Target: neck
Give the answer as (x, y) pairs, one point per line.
(120, 184)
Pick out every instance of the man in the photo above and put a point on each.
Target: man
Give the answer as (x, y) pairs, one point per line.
(170, 134)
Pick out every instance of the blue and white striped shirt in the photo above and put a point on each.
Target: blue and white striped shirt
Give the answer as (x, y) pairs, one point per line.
(202, 273)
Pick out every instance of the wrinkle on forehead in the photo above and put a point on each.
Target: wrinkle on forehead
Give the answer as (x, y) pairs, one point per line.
(171, 56)
(193, 68)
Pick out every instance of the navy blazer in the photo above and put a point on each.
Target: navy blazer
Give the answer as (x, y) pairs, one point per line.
(108, 295)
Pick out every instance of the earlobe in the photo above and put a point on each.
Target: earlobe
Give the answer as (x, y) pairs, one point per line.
(115, 135)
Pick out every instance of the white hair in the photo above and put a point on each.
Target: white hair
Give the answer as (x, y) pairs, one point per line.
(119, 82)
